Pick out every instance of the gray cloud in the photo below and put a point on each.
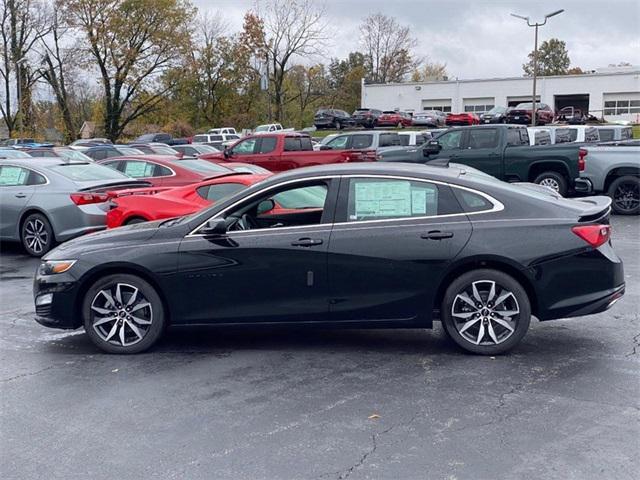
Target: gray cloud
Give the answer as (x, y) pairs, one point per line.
(477, 38)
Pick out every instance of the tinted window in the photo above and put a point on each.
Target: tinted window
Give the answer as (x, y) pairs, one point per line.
(83, 172)
(215, 138)
(361, 141)
(202, 166)
(36, 179)
(606, 134)
(305, 144)
(483, 138)
(472, 202)
(517, 136)
(200, 138)
(379, 198)
(404, 140)
(162, 171)
(13, 176)
(268, 144)
(450, 140)
(216, 192)
(389, 139)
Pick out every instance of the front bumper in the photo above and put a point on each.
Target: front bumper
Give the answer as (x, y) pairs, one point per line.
(55, 301)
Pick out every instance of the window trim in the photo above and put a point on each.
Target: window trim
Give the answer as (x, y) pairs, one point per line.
(497, 205)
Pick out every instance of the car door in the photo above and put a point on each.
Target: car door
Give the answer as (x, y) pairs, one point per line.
(275, 271)
(392, 240)
(481, 150)
(451, 143)
(265, 154)
(15, 193)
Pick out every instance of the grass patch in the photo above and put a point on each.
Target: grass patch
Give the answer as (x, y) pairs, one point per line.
(636, 131)
(323, 133)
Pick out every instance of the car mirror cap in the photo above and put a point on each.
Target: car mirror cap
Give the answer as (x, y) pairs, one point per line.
(215, 226)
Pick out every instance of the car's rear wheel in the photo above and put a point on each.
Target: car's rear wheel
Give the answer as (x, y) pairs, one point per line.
(338, 125)
(486, 312)
(123, 314)
(36, 235)
(553, 180)
(400, 125)
(625, 195)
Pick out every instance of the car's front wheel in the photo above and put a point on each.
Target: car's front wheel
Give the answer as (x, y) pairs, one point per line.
(486, 312)
(123, 314)
(37, 235)
(338, 125)
(553, 180)
(625, 195)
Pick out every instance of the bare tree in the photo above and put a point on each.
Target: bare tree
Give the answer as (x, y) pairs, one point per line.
(293, 28)
(387, 48)
(430, 72)
(23, 24)
(132, 44)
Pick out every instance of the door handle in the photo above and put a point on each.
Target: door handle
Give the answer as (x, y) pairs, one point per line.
(436, 235)
(21, 195)
(307, 242)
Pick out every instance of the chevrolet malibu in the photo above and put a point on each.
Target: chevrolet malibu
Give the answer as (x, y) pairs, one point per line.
(379, 245)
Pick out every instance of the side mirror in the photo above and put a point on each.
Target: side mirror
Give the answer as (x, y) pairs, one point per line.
(215, 226)
(226, 152)
(325, 147)
(265, 206)
(432, 147)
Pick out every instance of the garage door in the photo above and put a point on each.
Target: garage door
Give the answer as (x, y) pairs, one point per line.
(624, 106)
(442, 104)
(478, 105)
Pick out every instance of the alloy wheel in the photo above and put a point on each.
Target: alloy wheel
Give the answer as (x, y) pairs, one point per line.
(121, 315)
(551, 183)
(35, 235)
(627, 196)
(485, 313)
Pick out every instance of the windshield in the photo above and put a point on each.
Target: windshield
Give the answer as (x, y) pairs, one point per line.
(202, 166)
(262, 128)
(495, 110)
(85, 172)
(206, 149)
(129, 151)
(525, 106)
(6, 153)
(69, 154)
(164, 150)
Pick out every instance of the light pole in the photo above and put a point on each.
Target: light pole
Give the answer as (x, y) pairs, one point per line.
(535, 56)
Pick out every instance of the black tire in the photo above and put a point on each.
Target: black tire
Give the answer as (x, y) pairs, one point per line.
(107, 335)
(487, 324)
(338, 125)
(553, 180)
(134, 220)
(36, 235)
(625, 195)
(400, 125)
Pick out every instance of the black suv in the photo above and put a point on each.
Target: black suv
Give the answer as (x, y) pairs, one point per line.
(332, 118)
(367, 117)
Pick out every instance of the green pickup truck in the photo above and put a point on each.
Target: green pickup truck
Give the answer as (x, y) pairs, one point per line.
(502, 151)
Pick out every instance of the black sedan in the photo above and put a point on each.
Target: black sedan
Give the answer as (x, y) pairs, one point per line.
(355, 245)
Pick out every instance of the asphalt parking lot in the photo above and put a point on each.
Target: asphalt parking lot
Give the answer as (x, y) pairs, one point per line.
(329, 404)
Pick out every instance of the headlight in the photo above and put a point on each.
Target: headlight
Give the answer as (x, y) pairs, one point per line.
(51, 267)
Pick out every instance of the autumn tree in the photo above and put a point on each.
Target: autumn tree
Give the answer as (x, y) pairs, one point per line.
(430, 72)
(132, 42)
(293, 28)
(306, 86)
(388, 48)
(24, 22)
(344, 81)
(553, 59)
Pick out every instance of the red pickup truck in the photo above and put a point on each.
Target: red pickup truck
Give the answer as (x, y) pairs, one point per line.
(278, 152)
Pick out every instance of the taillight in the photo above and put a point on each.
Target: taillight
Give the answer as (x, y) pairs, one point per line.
(88, 198)
(594, 235)
(582, 162)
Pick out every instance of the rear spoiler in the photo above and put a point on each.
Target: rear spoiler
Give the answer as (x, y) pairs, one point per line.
(596, 208)
(137, 191)
(127, 184)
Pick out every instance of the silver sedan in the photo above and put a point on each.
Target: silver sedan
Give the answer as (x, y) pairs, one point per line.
(45, 201)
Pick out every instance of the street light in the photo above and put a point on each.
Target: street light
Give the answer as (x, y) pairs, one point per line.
(535, 55)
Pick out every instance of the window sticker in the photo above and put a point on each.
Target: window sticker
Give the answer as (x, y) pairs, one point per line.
(12, 176)
(138, 169)
(383, 199)
(418, 202)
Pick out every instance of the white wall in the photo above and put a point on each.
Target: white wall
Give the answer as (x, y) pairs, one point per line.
(410, 96)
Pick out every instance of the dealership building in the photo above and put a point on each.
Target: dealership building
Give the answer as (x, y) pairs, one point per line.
(609, 93)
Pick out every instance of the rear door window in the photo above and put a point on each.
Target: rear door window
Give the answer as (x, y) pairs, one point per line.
(268, 144)
(483, 138)
(361, 141)
(389, 140)
(292, 144)
(11, 176)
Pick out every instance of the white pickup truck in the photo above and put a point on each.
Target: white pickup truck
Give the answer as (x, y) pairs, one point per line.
(613, 168)
(271, 128)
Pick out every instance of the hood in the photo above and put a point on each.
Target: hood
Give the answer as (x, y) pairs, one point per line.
(85, 244)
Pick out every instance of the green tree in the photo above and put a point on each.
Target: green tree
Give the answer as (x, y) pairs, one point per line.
(553, 59)
(132, 42)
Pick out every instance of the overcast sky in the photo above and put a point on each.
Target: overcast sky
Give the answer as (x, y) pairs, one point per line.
(478, 38)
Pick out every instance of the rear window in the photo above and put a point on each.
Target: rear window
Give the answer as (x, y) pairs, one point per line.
(200, 138)
(86, 172)
(517, 136)
(295, 144)
(202, 166)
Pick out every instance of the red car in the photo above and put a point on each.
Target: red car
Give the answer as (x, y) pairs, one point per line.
(164, 170)
(144, 204)
(521, 113)
(391, 118)
(466, 118)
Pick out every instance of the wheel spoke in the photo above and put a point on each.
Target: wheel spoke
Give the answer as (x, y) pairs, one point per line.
(480, 334)
(140, 321)
(507, 313)
(503, 296)
(118, 294)
(464, 314)
(109, 298)
(492, 334)
(470, 323)
(103, 311)
(135, 330)
(105, 320)
(122, 333)
(492, 292)
(504, 323)
(465, 298)
(139, 306)
(133, 298)
(112, 332)
(476, 294)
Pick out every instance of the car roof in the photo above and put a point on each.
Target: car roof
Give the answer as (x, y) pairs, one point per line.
(42, 162)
